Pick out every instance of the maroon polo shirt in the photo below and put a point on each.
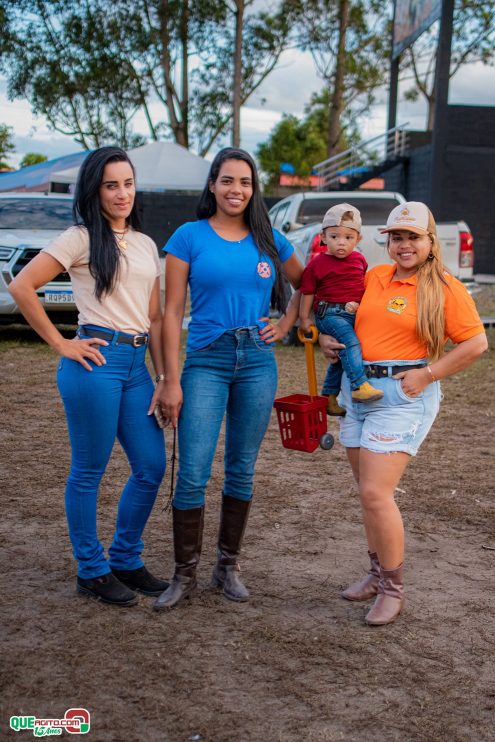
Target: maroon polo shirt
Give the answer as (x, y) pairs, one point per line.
(335, 279)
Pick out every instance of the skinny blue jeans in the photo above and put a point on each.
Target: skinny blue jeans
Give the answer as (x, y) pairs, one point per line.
(340, 324)
(235, 375)
(110, 402)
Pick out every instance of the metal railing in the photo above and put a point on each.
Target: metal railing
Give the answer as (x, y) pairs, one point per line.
(356, 161)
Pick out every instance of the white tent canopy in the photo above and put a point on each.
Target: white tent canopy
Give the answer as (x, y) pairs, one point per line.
(160, 166)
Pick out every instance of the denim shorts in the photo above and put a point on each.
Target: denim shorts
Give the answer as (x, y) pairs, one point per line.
(393, 423)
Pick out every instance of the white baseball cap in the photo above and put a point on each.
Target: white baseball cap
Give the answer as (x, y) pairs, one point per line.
(342, 215)
(413, 216)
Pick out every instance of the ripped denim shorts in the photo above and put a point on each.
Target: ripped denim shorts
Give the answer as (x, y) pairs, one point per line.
(393, 423)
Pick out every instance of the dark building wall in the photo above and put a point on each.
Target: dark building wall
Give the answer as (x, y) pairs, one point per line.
(162, 213)
(467, 162)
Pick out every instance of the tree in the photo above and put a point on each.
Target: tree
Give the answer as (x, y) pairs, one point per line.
(348, 40)
(89, 65)
(32, 158)
(58, 55)
(302, 142)
(473, 40)
(6, 145)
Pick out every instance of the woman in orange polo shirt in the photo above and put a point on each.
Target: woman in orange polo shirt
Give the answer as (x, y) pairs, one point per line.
(407, 313)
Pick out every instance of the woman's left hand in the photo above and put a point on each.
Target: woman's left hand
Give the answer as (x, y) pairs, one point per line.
(271, 332)
(414, 381)
(155, 398)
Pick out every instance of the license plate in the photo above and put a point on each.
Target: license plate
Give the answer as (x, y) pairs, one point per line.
(59, 297)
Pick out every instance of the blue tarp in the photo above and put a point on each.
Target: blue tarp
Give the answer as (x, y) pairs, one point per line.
(34, 176)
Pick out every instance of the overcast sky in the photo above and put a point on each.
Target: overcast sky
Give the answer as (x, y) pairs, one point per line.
(287, 90)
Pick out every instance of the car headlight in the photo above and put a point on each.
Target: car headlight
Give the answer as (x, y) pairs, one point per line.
(6, 252)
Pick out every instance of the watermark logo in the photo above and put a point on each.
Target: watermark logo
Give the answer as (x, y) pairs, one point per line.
(75, 721)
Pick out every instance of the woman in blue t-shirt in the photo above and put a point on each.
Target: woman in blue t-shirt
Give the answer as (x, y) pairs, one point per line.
(233, 262)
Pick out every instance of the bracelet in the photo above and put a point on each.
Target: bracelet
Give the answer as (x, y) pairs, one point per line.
(159, 377)
(433, 377)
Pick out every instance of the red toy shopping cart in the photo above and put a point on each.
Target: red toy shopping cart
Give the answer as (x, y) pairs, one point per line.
(302, 418)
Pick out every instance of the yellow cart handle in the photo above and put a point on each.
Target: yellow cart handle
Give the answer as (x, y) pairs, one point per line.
(309, 343)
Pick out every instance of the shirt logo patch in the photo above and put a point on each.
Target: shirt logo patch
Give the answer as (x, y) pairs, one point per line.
(264, 270)
(397, 305)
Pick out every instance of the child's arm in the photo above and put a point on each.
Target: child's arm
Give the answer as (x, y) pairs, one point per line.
(305, 310)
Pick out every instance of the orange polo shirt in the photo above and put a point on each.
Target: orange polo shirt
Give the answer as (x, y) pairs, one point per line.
(386, 318)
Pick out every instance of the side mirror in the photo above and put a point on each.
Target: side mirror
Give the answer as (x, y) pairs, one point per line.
(286, 226)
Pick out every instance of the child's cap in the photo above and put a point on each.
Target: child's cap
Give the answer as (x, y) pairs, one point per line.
(412, 216)
(342, 215)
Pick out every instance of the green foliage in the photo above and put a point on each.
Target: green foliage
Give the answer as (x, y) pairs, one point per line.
(32, 158)
(302, 142)
(6, 145)
(349, 41)
(89, 65)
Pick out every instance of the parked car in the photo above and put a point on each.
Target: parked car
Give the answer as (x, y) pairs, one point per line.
(28, 222)
(300, 215)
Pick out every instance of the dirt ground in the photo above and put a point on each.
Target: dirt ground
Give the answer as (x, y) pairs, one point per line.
(294, 664)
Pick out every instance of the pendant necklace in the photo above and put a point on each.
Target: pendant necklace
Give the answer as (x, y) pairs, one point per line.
(121, 240)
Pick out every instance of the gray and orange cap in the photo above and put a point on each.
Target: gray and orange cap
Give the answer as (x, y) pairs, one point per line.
(413, 216)
(342, 215)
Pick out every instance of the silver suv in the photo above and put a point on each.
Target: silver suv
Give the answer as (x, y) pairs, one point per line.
(28, 222)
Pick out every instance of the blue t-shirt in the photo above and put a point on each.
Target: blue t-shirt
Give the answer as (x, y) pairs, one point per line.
(230, 284)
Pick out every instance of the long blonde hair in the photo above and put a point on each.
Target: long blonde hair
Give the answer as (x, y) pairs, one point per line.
(430, 300)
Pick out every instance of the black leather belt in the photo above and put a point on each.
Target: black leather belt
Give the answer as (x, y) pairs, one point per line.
(324, 305)
(135, 340)
(375, 371)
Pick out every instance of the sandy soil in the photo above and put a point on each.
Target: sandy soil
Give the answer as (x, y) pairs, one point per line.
(294, 664)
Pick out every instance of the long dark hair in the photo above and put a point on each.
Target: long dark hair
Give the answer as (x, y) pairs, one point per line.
(104, 254)
(255, 216)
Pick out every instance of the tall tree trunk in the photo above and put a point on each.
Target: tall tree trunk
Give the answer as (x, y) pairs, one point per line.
(175, 106)
(184, 36)
(336, 105)
(236, 92)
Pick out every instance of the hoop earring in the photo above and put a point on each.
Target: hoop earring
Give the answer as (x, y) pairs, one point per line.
(431, 256)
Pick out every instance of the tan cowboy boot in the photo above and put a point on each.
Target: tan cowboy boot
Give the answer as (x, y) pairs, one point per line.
(367, 586)
(390, 599)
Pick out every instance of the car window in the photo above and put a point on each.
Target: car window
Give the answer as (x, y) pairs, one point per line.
(280, 215)
(19, 213)
(374, 211)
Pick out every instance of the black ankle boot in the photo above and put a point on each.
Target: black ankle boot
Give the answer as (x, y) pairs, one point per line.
(232, 526)
(108, 589)
(188, 540)
(142, 580)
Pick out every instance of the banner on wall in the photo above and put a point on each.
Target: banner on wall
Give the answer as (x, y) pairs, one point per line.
(412, 18)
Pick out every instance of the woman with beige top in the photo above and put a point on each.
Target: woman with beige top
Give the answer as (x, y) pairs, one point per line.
(102, 376)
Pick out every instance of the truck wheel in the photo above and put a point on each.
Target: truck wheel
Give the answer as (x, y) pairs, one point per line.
(326, 441)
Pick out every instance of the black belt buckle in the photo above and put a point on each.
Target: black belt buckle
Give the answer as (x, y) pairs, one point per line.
(322, 309)
(139, 340)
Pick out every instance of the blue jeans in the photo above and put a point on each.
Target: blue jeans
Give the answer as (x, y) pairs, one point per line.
(237, 375)
(109, 402)
(340, 324)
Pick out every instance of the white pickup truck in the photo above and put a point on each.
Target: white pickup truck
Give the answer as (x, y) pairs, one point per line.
(299, 216)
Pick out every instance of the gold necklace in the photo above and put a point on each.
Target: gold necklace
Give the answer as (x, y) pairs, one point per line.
(121, 241)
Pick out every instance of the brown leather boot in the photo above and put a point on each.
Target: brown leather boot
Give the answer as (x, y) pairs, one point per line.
(232, 526)
(188, 540)
(367, 586)
(390, 598)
